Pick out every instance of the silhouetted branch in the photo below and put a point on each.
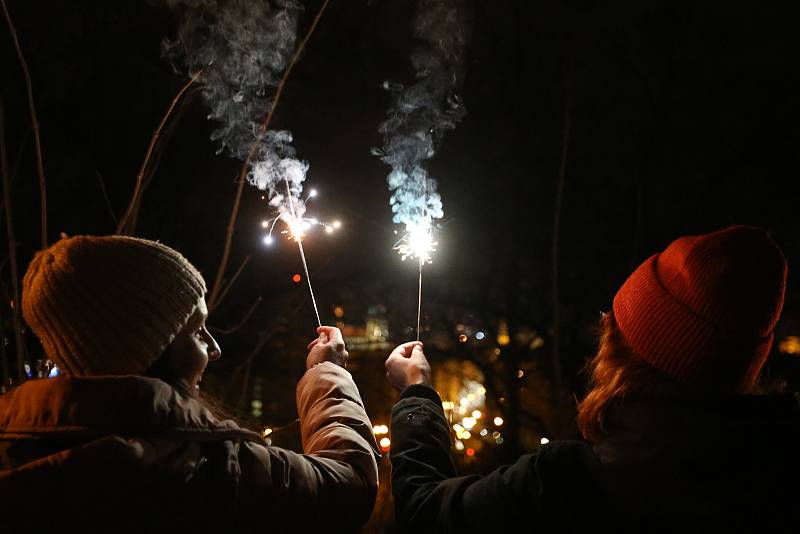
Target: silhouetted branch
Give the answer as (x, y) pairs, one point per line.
(137, 191)
(34, 123)
(242, 321)
(12, 249)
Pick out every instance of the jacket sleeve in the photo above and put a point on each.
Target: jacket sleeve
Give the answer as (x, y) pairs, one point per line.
(334, 483)
(428, 495)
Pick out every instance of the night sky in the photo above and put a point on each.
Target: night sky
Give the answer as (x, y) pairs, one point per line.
(681, 117)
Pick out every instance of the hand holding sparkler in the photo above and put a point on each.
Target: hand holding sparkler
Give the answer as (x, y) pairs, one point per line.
(328, 347)
(407, 365)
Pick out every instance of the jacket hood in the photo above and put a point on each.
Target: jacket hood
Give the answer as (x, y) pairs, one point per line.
(88, 407)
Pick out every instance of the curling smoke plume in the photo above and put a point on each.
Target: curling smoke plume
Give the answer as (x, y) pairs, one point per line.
(243, 47)
(419, 116)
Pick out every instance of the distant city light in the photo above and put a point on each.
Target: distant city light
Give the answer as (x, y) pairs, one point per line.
(266, 432)
(296, 278)
(544, 441)
(312, 193)
(462, 338)
(380, 429)
(790, 345)
(503, 339)
(470, 451)
(338, 311)
(520, 373)
(498, 421)
(267, 239)
(476, 414)
(479, 335)
(468, 422)
(385, 444)
(459, 445)
(484, 432)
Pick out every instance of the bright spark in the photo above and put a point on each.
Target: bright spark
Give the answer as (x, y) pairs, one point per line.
(417, 242)
(296, 227)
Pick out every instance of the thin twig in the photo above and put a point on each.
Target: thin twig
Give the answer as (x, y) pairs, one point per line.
(560, 184)
(105, 196)
(158, 152)
(12, 250)
(139, 177)
(34, 123)
(228, 286)
(245, 166)
(240, 324)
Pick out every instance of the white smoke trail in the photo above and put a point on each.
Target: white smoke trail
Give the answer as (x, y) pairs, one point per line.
(243, 47)
(418, 118)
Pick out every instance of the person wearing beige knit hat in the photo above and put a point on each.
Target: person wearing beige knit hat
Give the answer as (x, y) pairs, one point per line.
(122, 440)
(676, 440)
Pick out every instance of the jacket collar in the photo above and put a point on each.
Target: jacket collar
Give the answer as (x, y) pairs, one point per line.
(641, 429)
(72, 406)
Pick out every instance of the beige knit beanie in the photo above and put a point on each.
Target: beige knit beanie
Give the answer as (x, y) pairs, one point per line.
(108, 305)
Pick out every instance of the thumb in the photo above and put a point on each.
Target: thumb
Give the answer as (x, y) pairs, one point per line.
(417, 352)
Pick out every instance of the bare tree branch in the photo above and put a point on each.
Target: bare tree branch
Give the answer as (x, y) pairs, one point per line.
(12, 250)
(105, 196)
(34, 123)
(121, 227)
(242, 321)
(214, 305)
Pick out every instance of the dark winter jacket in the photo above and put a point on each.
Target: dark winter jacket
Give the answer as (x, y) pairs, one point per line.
(681, 465)
(131, 453)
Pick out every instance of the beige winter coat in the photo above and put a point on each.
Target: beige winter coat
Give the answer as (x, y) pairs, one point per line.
(130, 453)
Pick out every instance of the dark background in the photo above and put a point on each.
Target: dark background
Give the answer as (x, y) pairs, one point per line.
(683, 120)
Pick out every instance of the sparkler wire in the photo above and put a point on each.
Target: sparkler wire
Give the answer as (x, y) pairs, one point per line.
(299, 240)
(419, 302)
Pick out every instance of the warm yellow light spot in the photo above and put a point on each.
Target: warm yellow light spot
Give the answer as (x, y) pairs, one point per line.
(481, 391)
(338, 311)
(520, 373)
(503, 339)
(337, 224)
(463, 401)
(385, 443)
(468, 422)
(790, 345)
(458, 428)
(380, 429)
(471, 397)
(266, 432)
(498, 421)
(544, 441)
(459, 445)
(447, 405)
(476, 414)
(462, 338)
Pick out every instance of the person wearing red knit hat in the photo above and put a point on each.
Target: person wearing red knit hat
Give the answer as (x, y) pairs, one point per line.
(677, 437)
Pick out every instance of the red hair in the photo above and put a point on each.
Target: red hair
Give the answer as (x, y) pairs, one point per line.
(616, 371)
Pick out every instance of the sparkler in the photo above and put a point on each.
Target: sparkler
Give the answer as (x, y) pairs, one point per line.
(290, 211)
(419, 116)
(418, 243)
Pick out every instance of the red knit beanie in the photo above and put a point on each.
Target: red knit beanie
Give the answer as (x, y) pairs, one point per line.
(703, 311)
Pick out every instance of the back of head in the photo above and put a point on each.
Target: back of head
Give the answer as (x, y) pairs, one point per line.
(108, 305)
(697, 317)
(703, 310)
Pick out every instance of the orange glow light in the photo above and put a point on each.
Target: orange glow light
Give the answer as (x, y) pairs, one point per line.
(296, 278)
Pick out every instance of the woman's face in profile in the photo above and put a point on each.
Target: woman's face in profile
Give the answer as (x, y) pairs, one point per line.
(192, 349)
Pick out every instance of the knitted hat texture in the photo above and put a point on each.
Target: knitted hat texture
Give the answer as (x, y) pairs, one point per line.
(108, 305)
(704, 309)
